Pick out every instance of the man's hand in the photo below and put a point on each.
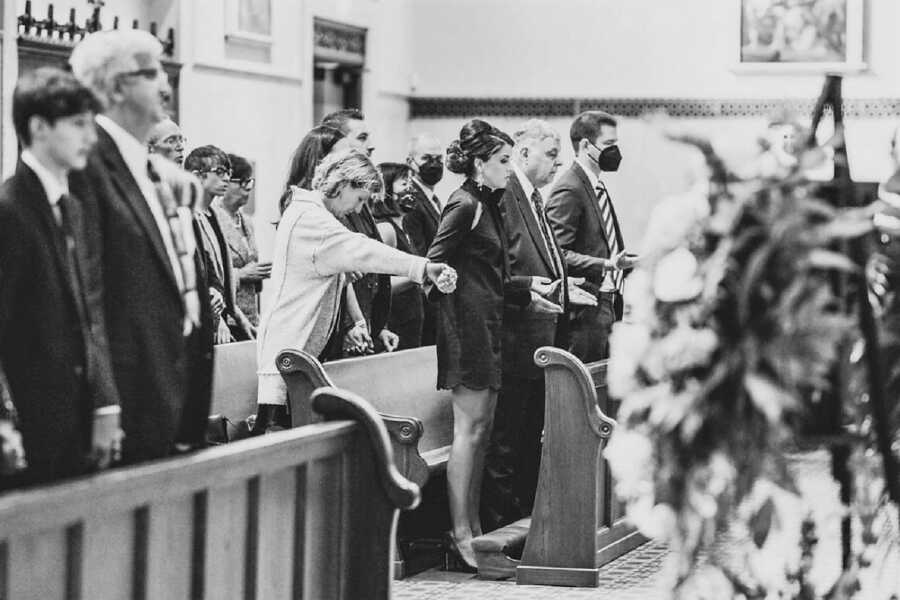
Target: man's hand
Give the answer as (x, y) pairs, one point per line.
(106, 439)
(624, 260)
(390, 340)
(578, 296)
(541, 305)
(357, 340)
(443, 276)
(255, 271)
(223, 334)
(216, 301)
(354, 276)
(12, 459)
(544, 286)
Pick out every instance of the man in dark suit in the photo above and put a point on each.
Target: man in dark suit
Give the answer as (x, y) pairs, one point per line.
(158, 313)
(514, 450)
(426, 159)
(584, 220)
(53, 344)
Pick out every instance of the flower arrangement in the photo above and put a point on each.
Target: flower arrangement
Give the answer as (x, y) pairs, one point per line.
(732, 332)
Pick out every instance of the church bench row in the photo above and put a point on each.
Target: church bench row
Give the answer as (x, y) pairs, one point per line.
(302, 513)
(401, 387)
(576, 525)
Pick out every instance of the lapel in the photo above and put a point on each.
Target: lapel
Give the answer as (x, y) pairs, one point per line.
(34, 197)
(233, 236)
(426, 202)
(593, 200)
(223, 256)
(131, 194)
(534, 229)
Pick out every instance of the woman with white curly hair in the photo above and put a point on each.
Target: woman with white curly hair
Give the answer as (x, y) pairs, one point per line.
(313, 253)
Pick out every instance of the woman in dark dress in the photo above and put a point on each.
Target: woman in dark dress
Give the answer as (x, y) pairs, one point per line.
(407, 311)
(472, 239)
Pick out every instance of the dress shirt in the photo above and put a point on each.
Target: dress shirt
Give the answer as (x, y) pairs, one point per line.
(135, 155)
(53, 187)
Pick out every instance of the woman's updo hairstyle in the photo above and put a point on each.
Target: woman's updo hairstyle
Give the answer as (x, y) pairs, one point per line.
(477, 139)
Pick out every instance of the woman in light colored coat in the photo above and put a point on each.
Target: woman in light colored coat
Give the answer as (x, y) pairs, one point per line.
(313, 254)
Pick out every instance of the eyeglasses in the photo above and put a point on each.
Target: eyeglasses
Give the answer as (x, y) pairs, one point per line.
(223, 172)
(246, 184)
(150, 73)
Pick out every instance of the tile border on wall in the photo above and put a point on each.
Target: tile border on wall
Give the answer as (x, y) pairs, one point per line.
(435, 107)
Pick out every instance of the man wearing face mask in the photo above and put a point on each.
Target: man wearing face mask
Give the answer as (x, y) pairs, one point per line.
(584, 220)
(426, 159)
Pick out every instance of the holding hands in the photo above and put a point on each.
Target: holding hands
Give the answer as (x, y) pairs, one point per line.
(443, 276)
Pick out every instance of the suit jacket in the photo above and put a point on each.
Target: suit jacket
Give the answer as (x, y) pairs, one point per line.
(525, 331)
(164, 378)
(53, 347)
(574, 214)
(421, 223)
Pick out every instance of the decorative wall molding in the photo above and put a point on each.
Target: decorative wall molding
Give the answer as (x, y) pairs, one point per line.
(424, 108)
(339, 41)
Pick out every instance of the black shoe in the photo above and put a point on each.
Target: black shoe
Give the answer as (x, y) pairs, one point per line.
(453, 559)
(271, 418)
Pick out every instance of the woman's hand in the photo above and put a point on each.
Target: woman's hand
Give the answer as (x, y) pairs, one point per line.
(357, 339)
(443, 276)
(389, 339)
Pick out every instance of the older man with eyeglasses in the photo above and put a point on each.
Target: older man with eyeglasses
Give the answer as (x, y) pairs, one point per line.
(158, 310)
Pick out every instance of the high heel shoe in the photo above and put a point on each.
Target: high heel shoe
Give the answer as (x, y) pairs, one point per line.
(453, 558)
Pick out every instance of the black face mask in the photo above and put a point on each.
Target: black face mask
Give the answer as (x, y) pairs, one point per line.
(431, 172)
(609, 158)
(406, 202)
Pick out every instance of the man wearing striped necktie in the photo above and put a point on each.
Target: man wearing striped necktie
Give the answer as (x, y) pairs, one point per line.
(584, 220)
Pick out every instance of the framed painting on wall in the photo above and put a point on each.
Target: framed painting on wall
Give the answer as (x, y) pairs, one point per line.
(812, 36)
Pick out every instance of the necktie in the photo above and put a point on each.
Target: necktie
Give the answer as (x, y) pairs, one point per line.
(544, 226)
(73, 272)
(188, 282)
(609, 229)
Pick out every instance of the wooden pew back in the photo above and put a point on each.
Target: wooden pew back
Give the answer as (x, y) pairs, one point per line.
(401, 386)
(576, 526)
(234, 380)
(307, 512)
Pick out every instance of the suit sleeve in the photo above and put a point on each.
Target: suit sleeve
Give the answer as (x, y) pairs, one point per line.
(517, 290)
(12, 267)
(565, 211)
(414, 225)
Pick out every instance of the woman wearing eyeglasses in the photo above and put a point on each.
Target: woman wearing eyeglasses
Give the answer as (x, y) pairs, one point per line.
(239, 235)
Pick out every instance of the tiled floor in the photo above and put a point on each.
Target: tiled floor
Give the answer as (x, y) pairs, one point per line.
(634, 576)
(640, 575)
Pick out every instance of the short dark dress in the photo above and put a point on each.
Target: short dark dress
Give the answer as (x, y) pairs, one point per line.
(407, 307)
(469, 321)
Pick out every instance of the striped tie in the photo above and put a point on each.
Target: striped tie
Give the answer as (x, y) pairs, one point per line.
(609, 229)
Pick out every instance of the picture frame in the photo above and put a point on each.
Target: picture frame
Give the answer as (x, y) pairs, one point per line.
(249, 21)
(800, 36)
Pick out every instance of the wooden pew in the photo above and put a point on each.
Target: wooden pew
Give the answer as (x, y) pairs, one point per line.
(307, 513)
(400, 385)
(576, 525)
(419, 418)
(234, 390)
